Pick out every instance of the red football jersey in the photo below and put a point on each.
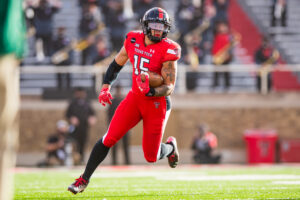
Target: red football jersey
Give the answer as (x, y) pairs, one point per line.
(151, 57)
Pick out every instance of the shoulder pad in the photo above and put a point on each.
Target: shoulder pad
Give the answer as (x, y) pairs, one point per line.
(173, 50)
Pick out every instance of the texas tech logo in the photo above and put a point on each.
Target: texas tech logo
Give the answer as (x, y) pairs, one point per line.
(156, 104)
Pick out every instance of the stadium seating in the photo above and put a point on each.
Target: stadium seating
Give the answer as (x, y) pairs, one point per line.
(285, 39)
(250, 18)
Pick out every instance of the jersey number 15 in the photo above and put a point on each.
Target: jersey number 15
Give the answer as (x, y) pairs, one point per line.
(140, 65)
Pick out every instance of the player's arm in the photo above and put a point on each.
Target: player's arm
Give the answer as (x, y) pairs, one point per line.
(111, 75)
(115, 67)
(168, 72)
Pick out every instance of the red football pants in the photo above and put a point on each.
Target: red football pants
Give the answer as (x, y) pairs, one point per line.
(153, 110)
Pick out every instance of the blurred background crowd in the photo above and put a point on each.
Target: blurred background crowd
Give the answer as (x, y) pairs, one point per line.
(54, 24)
(90, 32)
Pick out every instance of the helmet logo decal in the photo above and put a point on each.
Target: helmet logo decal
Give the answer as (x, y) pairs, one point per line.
(156, 104)
(161, 14)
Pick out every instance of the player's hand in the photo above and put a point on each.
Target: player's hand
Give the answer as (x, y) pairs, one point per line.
(143, 85)
(105, 97)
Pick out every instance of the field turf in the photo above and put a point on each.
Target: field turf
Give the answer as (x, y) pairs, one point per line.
(157, 182)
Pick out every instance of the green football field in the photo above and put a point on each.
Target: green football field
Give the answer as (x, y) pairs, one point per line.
(160, 182)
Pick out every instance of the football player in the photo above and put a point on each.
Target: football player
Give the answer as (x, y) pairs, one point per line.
(147, 50)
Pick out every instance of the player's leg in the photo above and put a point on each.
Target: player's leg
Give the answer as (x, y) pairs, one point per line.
(114, 155)
(125, 141)
(155, 117)
(126, 116)
(173, 157)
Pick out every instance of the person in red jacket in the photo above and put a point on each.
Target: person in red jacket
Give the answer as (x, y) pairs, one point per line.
(222, 51)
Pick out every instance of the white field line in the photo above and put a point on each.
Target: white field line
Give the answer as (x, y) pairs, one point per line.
(286, 182)
(185, 176)
(254, 177)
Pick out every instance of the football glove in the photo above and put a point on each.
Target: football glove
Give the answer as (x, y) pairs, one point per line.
(143, 85)
(105, 97)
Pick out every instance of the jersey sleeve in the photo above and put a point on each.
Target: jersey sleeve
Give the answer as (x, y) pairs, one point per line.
(130, 38)
(127, 40)
(173, 52)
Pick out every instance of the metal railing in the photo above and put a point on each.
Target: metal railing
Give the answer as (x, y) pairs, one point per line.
(181, 87)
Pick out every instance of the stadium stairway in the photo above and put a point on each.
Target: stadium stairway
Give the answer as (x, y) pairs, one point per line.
(254, 19)
(239, 22)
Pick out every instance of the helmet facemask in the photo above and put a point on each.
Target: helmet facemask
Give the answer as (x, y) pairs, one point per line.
(157, 26)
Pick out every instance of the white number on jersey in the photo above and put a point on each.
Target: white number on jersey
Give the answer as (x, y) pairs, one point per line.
(140, 65)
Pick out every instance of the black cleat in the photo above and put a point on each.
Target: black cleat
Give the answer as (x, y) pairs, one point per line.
(174, 156)
(78, 186)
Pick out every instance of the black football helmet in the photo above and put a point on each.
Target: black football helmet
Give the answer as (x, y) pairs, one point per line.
(158, 19)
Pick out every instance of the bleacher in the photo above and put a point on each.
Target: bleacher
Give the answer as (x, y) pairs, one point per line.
(68, 17)
(285, 39)
(34, 84)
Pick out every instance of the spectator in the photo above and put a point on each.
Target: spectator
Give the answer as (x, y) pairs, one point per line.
(60, 42)
(187, 17)
(204, 143)
(101, 50)
(28, 13)
(30, 34)
(82, 3)
(222, 51)
(278, 12)
(265, 56)
(87, 52)
(81, 115)
(203, 46)
(43, 22)
(125, 140)
(56, 145)
(90, 21)
(115, 22)
(221, 7)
